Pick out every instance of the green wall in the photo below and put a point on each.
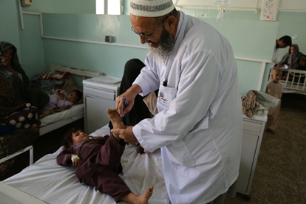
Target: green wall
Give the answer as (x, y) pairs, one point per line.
(9, 23)
(107, 58)
(72, 38)
(32, 46)
(62, 6)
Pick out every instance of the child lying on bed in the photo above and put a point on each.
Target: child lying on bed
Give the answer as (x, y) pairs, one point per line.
(97, 162)
(61, 99)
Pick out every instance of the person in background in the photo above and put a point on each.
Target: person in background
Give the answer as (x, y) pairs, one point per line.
(274, 88)
(302, 63)
(61, 99)
(15, 115)
(139, 111)
(97, 161)
(199, 121)
(11, 69)
(282, 42)
(291, 58)
(144, 107)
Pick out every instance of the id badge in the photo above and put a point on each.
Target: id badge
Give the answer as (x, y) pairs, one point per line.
(165, 96)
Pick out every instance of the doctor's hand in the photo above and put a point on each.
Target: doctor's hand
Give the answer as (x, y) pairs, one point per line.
(126, 134)
(122, 108)
(129, 97)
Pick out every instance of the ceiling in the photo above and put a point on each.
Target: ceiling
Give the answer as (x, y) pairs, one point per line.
(284, 5)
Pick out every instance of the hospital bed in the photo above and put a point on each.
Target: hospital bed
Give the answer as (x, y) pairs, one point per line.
(76, 112)
(56, 120)
(48, 181)
(293, 81)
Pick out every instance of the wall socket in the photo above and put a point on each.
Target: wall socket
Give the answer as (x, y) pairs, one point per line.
(205, 15)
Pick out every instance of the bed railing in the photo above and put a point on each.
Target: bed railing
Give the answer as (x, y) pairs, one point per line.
(293, 81)
(75, 71)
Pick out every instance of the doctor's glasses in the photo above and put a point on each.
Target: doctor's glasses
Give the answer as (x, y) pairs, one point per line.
(147, 37)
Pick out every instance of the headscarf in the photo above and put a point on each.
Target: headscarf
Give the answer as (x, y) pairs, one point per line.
(21, 87)
(291, 59)
(8, 100)
(15, 63)
(302, 67)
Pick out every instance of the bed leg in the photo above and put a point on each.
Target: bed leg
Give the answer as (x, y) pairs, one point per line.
(31, 155)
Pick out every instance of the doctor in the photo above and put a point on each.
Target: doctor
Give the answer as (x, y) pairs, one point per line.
(199, 124)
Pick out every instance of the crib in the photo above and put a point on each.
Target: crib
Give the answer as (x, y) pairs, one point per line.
(293, 81)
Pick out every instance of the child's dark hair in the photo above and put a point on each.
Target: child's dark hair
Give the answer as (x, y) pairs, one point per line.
(78, 93)
(67, 137)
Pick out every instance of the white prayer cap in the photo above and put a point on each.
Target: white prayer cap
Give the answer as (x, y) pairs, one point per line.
(151, 8)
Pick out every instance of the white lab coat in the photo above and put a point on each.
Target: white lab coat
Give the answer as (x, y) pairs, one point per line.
(200, 133)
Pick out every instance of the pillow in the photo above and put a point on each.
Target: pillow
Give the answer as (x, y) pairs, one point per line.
(59, 76)
(46, 81)
(69, 86)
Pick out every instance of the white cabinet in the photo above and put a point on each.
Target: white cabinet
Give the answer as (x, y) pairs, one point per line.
(253, 129)
(98, 97)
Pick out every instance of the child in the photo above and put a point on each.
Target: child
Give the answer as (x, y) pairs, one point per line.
(61, 99)
(302, 63)
(274, 88)
(97, 162)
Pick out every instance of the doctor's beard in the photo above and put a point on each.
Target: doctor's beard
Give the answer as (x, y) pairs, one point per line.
(165, 46)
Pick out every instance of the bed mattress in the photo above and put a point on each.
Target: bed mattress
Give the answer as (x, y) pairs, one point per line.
(68, 113)
(56, 184)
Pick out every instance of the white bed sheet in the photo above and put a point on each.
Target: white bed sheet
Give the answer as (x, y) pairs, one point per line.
(56, 184)
(73, 111)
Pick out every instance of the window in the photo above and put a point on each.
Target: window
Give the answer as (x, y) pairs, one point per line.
(113, 7)
(99, 6)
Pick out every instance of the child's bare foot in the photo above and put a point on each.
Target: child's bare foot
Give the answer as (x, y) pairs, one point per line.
(144, 198)
(116, 120)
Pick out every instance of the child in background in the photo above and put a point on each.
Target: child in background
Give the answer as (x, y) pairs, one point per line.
(274, 88)
(97, 162)
(61, 99)
(302, 63)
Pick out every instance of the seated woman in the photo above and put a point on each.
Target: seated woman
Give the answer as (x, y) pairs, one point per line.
(15, 115)
(18, 124)
(11, 69)
(291, 58)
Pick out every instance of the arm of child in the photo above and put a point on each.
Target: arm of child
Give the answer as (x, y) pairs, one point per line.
(75, 160)
(96, 137)
(61, 96)
(64, 158)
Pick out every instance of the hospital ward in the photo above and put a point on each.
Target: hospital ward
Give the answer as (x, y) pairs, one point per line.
(152, 102)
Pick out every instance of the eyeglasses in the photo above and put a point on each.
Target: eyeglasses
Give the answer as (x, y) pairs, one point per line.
(147, 37)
